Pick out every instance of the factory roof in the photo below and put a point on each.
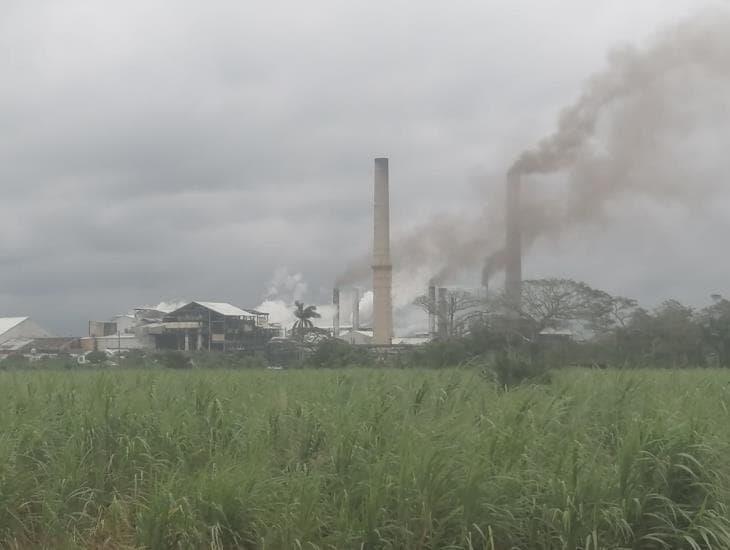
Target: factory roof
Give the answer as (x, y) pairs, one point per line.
(15, 344)
(255, 312)
(7, 323)
(44, 344)
(410, 341)
(550, 331)
(229, 310)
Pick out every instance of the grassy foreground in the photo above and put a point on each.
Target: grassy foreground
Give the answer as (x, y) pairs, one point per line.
(363, 459)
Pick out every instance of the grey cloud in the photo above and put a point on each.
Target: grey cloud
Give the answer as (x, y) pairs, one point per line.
(157, 150)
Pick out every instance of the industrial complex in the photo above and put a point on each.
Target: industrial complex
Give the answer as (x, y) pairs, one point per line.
(224, 327)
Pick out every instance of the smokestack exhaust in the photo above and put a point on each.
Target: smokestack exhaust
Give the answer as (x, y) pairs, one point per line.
(336, 318)
(485, 279)
(356, 309)
(443, 313)
(382, 267)
(432, 311)
(513, 243)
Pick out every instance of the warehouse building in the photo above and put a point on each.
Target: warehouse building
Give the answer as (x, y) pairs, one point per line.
(21, 328)
(18, 333)
(212, 326)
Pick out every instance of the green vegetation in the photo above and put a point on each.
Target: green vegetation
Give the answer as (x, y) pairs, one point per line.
(304, 315)
(364, 458)
(596, 328)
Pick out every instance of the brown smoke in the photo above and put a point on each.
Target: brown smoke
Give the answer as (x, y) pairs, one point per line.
(639, 130)
(445, 245)
(643, 110)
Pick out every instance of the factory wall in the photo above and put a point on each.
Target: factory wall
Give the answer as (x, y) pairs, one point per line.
(25, 329)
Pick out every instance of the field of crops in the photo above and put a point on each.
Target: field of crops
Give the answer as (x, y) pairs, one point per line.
(363, 459)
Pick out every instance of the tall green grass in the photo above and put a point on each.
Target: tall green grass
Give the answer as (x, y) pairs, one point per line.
(364, 459)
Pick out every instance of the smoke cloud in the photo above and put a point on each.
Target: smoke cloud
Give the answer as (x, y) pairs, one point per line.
(282, 291)
(644, 128)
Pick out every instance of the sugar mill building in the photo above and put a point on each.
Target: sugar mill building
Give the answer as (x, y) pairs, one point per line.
(213, 326)
(119, 333)
(18, 334)
(12, 328)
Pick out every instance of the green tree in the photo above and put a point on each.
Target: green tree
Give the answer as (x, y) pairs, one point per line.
(553, 303)
(670, 335)
(714, 322)
(456, 313)
(304, 315)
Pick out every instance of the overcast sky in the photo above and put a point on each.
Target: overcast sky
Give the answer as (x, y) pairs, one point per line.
(159, 150)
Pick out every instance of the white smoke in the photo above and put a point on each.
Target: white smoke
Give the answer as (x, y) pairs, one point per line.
(648, 126)
(286, 286)
(283, 289)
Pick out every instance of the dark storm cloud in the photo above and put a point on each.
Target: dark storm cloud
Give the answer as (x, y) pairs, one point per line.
(157, 150)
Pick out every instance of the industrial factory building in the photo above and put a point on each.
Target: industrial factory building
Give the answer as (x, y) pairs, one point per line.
(12, 328)
(36, 348)
(212, 326)
(358, 337)
(119, 333)
(364, 337)
(19, 335)
(204, 326)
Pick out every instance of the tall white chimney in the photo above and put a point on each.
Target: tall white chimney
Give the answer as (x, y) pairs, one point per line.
(355, 308)
(382, 268)
(485, 278)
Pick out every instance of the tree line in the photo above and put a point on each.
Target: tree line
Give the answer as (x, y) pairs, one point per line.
(577, 323)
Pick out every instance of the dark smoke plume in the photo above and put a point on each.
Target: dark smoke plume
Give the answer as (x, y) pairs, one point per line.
(641, 129)
(630, 132)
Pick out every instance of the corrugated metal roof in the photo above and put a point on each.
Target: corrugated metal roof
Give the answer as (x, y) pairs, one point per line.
(223, 308)
(6, 323)
(255, 312)
(550, 331)
(363, 332)
(410, 340)
(15, 344)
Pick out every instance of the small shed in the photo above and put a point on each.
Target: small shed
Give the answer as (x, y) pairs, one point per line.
(357, 337)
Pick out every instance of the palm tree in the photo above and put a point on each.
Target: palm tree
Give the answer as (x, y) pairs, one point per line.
(304, 316)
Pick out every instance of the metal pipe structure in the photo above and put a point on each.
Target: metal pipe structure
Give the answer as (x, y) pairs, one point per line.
(382, 267)
(432, 311)
(485, 279)
(443, 313)
(336, 317)
(355, 308)
(513, 244)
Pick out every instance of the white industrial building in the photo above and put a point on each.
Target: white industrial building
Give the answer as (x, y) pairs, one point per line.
(357, 337)
(125, 323)
(364, 337)
(21, 328)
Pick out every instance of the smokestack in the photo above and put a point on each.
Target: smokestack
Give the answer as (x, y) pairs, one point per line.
(336, 318)
(485, 279)
(513, 243)
(443, 313)
(356, 309)
(382, 268)
(432, 311)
